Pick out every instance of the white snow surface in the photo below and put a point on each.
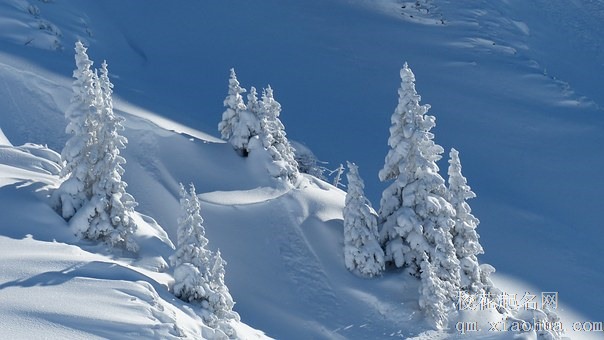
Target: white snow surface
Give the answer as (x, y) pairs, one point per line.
(503, 78)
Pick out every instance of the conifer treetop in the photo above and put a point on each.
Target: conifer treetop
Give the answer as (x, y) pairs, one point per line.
(234, 106)
(362, 252)
(457, 182)
(410, 128)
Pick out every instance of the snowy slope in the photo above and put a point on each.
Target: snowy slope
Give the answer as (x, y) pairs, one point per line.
(261, 229)
(55, 286)
(503, 78)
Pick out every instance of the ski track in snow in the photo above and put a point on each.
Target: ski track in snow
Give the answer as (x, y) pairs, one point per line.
(48, 125)
(242, 197)
(301, 264)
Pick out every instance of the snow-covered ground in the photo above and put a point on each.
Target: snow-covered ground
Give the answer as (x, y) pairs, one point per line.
(513, 86)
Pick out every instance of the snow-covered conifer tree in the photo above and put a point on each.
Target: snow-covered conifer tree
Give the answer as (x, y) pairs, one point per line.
(465, 238)
(415, 215)
(234, 105)
(274, 139)
(93, 191)
(414, 206)
(192, 259)
(362, 251)
(77, 188)
(433, 296)
(221, 301)
(198, 274)
(111, 219)
(253, 105)
(239, 123)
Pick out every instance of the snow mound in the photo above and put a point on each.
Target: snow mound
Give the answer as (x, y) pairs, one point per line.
(56, 286)
(64, 292)
(242, 197)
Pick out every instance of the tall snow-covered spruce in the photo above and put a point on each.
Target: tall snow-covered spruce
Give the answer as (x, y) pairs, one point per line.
(94, 196)
(114, 207)
(415, 214)
(199, 274)
(433, 297)
(362, 252)
(76, 189)
(234, 104)
(253, 105)
(238, 123)
(274, 139)
(465, 238)
(221, 302)
(192, 259)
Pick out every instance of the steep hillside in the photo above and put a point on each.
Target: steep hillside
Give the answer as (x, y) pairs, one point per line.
(504, 79)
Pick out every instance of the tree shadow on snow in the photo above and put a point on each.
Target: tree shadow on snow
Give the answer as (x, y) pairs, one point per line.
(92, 270)
(24, 213)
(138, 289)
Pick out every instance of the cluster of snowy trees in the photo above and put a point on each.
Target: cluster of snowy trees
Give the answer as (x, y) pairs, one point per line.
(255, 125)
(425, 225)
(93, 195)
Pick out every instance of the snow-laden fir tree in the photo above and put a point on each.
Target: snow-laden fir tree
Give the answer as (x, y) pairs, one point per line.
(199, 274)
(433, 297)
(414, 207)
(362, 252)
(192, 259)
(415, 215)
(221, 301)
(274, 139)
(253, 105)
(465, 238)
(239, 123)
(234, 105)
(248, 125)
(77, 187)
(93, 196)
(112, 217)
